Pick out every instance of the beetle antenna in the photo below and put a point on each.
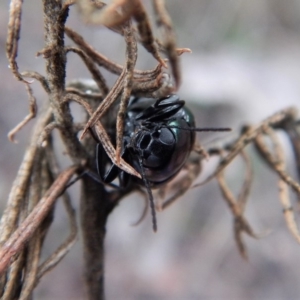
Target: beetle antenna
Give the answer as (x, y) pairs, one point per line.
(216, 129)
(150, 195)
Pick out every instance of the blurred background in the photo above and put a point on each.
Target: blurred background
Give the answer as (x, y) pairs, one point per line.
(244, 67)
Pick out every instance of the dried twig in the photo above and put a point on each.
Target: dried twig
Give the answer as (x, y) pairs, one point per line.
(191, 172)
(97, 76)
(31, 115)
(131, 57)
(106, 103)
(13, 35)
(277, 162)
(104, 62)
(39, 77)
(16, 242)
(39, 167)
(64, 248)
(56, 70)
(245, 190)
(34, 246)
(250, 134)
(145, 31)
(164, 22)
(240, 223)
(20, 185)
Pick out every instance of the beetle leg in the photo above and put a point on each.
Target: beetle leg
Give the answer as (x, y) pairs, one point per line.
(113, 172)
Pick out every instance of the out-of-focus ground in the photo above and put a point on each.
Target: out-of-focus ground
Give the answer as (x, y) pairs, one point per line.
(244, 67)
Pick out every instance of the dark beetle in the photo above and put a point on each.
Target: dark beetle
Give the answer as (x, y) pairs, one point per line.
(158, 139)
(159, 136)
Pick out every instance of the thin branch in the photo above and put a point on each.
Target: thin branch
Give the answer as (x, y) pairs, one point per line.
(55, 73)
(65, 247)
(27, 228)
(191, 172)
(12, 286)
(30, 116)
(131, 57)
(164, 22)
(97, 76)
(46, 132)
(19, 187)
(245, 190)
(34, 248)
(106, 103)
(106, 63)
(145, 31)
(39, 77)
(250, 134)
(240, 223)
(277, 162)
(13, 36)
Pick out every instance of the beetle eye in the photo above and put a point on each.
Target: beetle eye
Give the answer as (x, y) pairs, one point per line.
(166, 137)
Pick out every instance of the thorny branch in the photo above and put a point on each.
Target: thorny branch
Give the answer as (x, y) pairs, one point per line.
(40, 182)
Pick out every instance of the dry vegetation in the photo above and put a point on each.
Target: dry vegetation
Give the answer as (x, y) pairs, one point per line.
(40, 181)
